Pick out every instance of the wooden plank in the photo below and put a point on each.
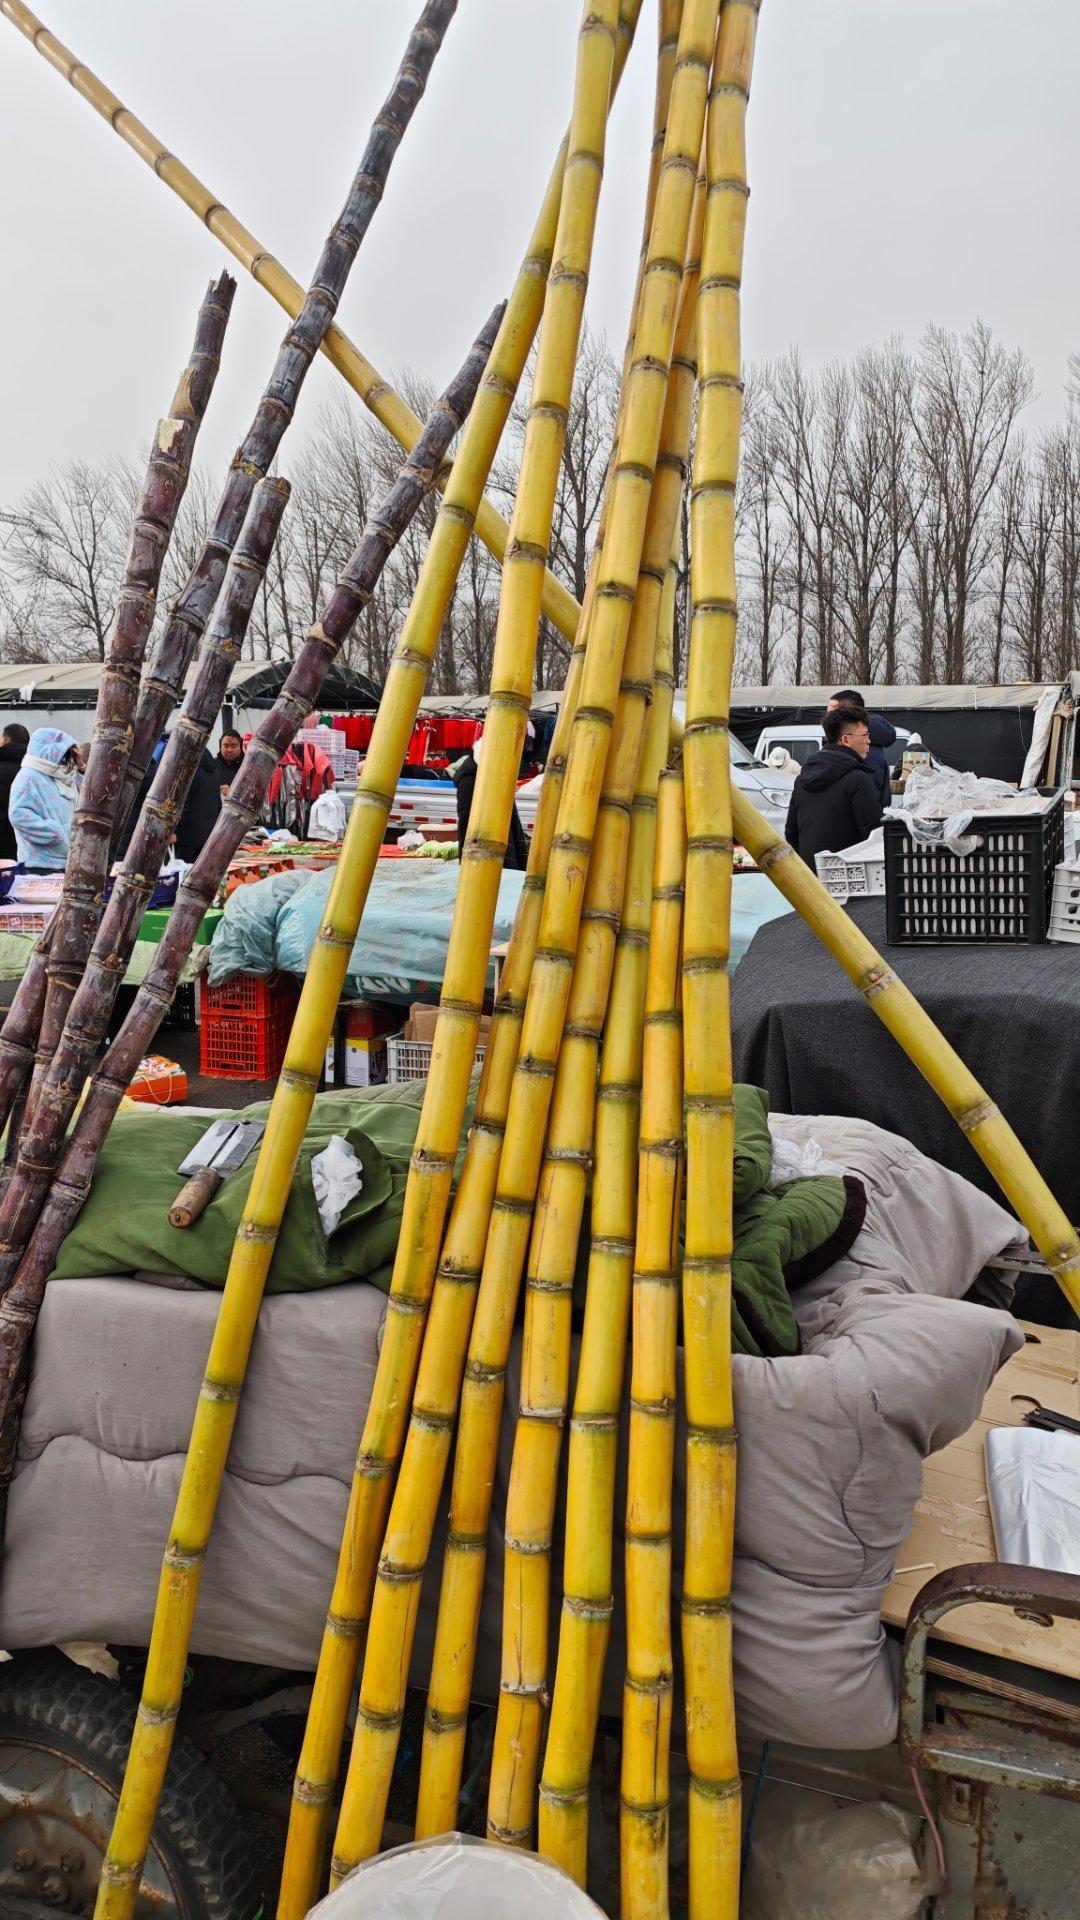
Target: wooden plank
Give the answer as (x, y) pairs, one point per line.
(952, 1525)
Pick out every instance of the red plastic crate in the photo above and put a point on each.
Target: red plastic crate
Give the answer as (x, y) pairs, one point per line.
(245, 994)
(242, 1049)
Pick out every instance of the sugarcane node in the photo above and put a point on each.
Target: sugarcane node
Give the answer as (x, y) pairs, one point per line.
(425, 1160)
(344, 1626)
(655, 1687)
(594, 1423)
(706, 963)
(12, 1312)
(371, 1466)
(312, 1793)
(535, 1283)
(482, 1375)
(586, 1030)
(455, 1273)
(1066, 1258)
(394, 1575)
(715, 1789)
(184, 1559)
(406, 1306)
(431, 1420)
(564, 1796)
(876, 980)
(977, 1116)
(438, 1722)
(157, 1716)
(118, 1876)
(225, 1392)
(711, 1265)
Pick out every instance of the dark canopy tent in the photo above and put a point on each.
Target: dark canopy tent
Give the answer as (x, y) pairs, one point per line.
(344, 690)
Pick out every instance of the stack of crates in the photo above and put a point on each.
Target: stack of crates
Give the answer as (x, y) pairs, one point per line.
(244, 1026)
(1064, 925)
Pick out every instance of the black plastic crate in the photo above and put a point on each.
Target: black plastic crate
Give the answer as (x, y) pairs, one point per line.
(999, 895)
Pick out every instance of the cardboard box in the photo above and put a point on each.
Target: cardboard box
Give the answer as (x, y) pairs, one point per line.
(423, 1020)
(361, 1059)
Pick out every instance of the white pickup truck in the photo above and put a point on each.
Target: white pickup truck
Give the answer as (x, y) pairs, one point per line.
(801, 740)
(430, 806)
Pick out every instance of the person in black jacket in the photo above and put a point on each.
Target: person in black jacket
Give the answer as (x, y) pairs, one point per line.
(835, 802)
(13, 744)
(201, 808)
(463, 775)
(230, 758)
(882, 735)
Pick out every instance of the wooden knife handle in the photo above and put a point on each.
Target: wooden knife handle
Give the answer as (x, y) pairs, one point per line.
(193, 1200)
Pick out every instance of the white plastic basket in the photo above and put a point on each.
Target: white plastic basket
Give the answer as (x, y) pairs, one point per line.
(848, 879)
(1064, 925)
(411, 1059)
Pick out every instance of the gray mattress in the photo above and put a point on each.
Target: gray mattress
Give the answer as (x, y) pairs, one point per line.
(895, 1364)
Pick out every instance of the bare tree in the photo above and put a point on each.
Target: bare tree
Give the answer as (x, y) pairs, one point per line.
(63, 555)
(764, 527)
(968, 396)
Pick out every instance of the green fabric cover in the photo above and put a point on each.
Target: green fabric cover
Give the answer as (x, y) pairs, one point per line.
(124, 1226)
(772, 1229)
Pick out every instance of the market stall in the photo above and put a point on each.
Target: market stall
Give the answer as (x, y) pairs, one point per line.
(803, 1031)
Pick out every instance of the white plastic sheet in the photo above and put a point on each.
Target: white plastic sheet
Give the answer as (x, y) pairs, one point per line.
(838, 1862)
(1033, 1478)
(457, 1878)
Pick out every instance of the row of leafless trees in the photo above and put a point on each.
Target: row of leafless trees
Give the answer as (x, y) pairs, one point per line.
(895, 523)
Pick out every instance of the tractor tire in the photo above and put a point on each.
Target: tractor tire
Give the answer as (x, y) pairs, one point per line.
(64, 1735)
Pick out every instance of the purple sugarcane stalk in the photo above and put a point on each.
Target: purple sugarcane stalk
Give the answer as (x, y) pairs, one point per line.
(57, 960)
(69, 1187)
(44, 1129)
(188, 618)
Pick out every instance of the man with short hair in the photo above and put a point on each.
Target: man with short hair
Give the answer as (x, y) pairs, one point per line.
(882, 735)
(835, 802)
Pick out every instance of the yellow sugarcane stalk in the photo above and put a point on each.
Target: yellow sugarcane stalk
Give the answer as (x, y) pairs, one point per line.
(926, 1047)
(594, 1426)
(585, 950)
(646, 1749)
(706, 1289)
(339, 1653)
(549, 984)
(374, 390)
(586, 1610)
(407, 1540)
(519, 614)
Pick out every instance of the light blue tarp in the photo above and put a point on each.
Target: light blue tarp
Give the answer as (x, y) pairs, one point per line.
(400, 951)
(754, 900)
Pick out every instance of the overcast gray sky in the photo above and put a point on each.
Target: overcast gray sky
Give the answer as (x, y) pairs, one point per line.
(911, 160)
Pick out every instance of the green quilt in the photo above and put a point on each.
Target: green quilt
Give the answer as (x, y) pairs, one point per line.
(124, 1226)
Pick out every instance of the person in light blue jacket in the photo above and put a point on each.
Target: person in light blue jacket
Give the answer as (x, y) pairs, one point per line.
(41, 804)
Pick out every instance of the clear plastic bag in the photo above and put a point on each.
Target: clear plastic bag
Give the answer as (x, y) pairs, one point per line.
(844, 1861)
(807, 1162)
(938, 805)
(456, 1878)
